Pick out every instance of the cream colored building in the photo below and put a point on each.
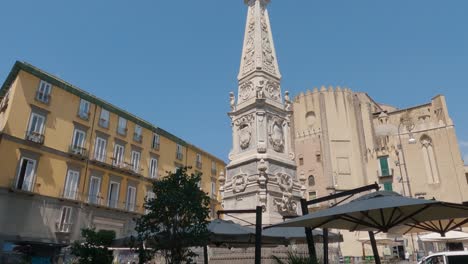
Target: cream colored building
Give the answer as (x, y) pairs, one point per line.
(344, 140)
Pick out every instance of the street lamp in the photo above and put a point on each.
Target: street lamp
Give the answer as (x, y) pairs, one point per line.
(408, 123)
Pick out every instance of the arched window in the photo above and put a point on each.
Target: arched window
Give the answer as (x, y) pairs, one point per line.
(432, 172)
(311, 180)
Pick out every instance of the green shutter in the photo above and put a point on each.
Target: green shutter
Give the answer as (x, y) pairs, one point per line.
(384, 166)
(388, 186)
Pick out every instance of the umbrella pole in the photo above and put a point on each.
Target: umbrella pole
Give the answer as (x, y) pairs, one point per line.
(258, 235)
(205, 253)
(374, 247)
(308, 231)
(325, 246)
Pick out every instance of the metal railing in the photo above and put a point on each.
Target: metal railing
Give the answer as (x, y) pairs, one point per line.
(103, 123)
(63, 227)
(137, 137)
(198, 164)
(385, 173)
(79, 151)
(24, 185)
(84, 115)
(155, 146)
(179, 155)
(70, 194)
(122, 131)
(43, 97)
(35, 137)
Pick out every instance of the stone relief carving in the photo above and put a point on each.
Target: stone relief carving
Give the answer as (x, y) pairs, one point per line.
(276, 135)
(272, 90)
(287, 101)
(246, 90)
(244, 125)
(285, 205)
(285, 181)
(262, 167)
(249, 54)
(267, 50)
(260, 93)
(239, 182)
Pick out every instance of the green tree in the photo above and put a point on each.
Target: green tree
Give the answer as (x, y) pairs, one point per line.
(176, 218)
(94, 249)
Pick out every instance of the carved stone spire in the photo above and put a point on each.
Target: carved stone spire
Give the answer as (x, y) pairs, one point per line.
(258, 53)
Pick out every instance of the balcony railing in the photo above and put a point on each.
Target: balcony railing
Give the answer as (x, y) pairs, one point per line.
(385, 173)
(179, 156)
(137, 137)
(214, 171)
(78, 151)
(24, 185)
(103, 122)
(70, 194)
(122, 131)
(35, 137)
(84, 115)
(43, 97)
(198, 164)
(63, 227)
(95, 199)
(155, 146)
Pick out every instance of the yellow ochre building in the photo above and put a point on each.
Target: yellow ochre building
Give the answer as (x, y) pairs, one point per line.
(70, 160)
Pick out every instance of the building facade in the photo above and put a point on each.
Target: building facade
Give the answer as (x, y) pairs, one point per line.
(70, 160)
(344, 140)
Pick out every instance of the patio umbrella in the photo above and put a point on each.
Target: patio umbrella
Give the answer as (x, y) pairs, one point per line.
(451, 236)
(440, 226)
(378, 211)
(298, 235)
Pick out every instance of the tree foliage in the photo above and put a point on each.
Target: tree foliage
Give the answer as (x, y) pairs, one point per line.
(95, 247)
(177, 218)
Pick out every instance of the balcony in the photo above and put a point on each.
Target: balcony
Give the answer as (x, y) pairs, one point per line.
(22, 186)
(84, 115)
(214, 171)
(3, 103)
(385, 173)
(94, 199)
(78, 151)
(103, 122)
(42, 97)
(155, 146)
(137, 137)
(35, 137)
(70, 194)
(179, 155)
(63, 227)
(198, 164)
(122, 131)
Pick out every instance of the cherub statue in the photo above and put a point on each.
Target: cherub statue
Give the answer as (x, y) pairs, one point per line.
(287, 101)
(232, 101)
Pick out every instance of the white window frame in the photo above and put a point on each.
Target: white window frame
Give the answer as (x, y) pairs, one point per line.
(113, 203)
(155, 141)
(136, 156)
(71, 187)
(100, 153)
(65, 221)
(43, 91)
(131, 199)
(149, 195)
(118, 155)
(138, 134)
(213, 189)
(198, 161)
(153, 168)
(28, 178)
(104, 118)
(84, 109)
(36, 129)
(179, 152)
(214, 169)
(94, 198)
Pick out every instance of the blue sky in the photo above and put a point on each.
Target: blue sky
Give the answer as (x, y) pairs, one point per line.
(173, 63)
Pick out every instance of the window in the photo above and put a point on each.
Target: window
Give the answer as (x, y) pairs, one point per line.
(136, 161)
(65, 222)
(155, 141)
(214, 171)
(213, 189)
(198, 161)
(301, 161)
(78, 142)
(118, 158)
(43, 92)
(153, 168)
(94, 190)
(71, 185)
(104, 118)
(311, 180)
(113, 197)
(179, 154)
(4, 101)
(137, 136)
(122, 126)
(388, 186)
(312, 195)
(466, 176)
(318, 157)
(26, 174)
(149, 196)
(130, 203)
(35, 131)
(100, 149)
(83, 112)
(384, 168)
(430, 163)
